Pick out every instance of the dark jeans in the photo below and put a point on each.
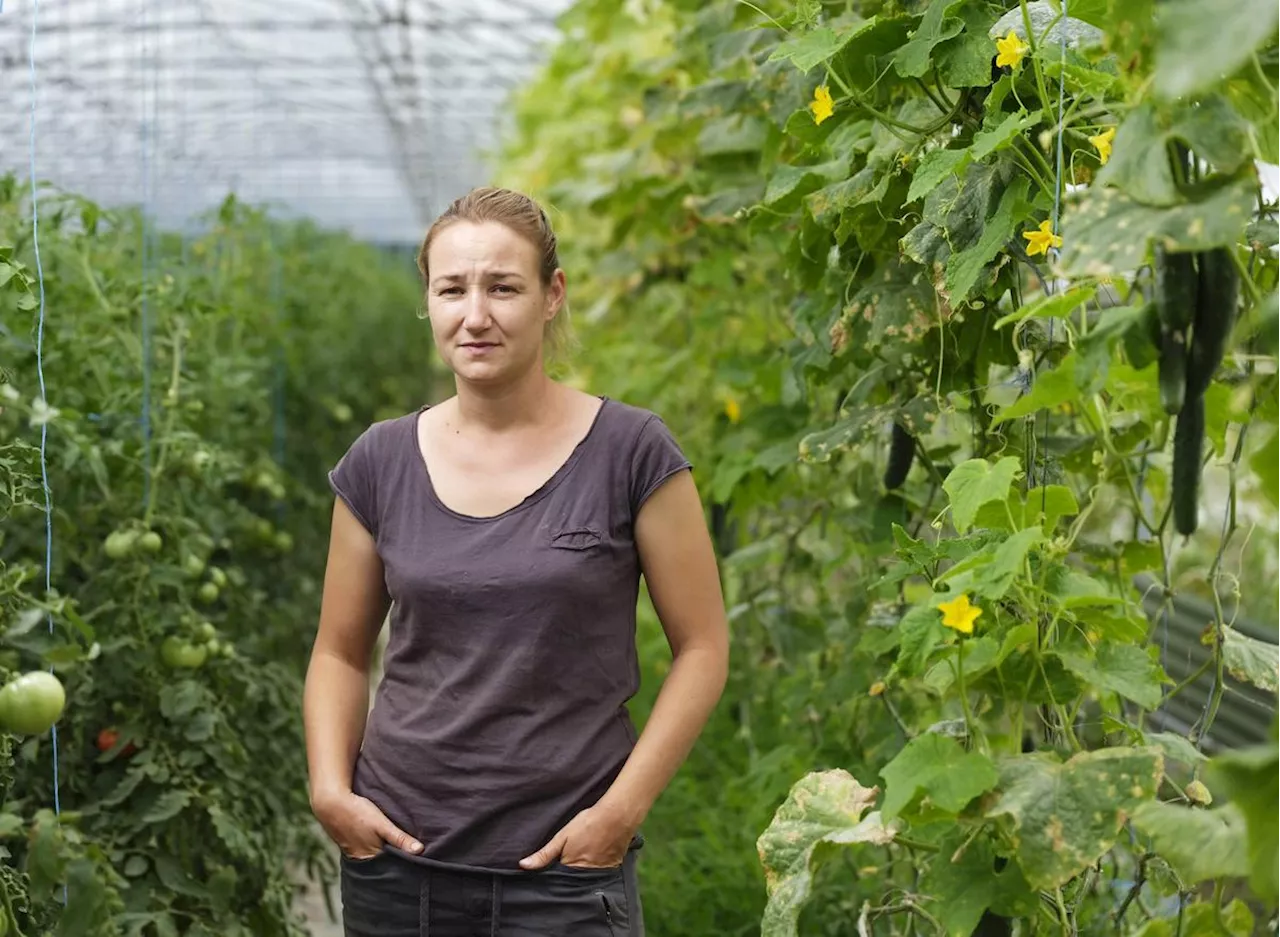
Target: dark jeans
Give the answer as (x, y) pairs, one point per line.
(391, 896)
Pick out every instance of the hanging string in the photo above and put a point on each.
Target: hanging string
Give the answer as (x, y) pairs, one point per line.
(1054, 252)
(148, 247)
(44, 396)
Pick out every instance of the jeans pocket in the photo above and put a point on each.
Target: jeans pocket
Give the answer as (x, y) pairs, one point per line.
(617, 914)
(360, 860)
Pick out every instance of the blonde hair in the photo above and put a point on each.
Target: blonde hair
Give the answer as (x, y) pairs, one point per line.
(526, 218)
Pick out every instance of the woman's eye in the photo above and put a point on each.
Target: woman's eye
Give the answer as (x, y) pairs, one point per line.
(504, 288)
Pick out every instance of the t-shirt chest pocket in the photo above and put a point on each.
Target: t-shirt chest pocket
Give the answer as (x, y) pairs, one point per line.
(576, 538)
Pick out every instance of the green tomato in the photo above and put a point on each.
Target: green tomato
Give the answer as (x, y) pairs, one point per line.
(195, 406)
(180, 655)
(207, 632)
(217, 576)
(32, 704)
(192, 565)
(150, 542)
(284, 541)
(215, 647)
(120, 543)
(208, 593)
(264, 530)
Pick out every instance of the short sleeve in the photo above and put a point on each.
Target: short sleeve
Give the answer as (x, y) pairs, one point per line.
(656, 458)
(354, 479)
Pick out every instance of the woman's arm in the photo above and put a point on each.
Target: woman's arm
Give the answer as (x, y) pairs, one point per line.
(336, 694)
(680, 571)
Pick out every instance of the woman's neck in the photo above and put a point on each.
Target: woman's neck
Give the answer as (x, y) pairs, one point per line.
(533, 399)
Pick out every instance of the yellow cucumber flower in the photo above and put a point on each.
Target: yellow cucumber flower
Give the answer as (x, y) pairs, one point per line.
(822, 105)
(1102, 143)
(1039, 242)
(959, 614)
(1012, 50)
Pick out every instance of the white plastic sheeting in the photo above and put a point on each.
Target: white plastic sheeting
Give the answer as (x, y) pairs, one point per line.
(368, 115)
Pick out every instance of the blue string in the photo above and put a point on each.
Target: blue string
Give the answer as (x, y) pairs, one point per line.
(145, 419)
(44, 425)
(1057, 208)
(1062, 84)
(279, 370)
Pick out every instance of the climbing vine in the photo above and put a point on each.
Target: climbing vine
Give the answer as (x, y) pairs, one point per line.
(967, 311)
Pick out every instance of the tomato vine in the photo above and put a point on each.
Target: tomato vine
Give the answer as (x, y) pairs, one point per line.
(185, 578)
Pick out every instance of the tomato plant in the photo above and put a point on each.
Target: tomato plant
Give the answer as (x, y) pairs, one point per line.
(902, 277)
(186, 466)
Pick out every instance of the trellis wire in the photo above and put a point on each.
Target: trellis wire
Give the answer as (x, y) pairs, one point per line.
(149, 120)
(44, 422)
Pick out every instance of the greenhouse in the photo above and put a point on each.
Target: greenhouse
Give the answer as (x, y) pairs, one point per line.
(807, 468)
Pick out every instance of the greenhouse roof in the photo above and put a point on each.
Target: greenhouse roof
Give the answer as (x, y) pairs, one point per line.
(367, 115)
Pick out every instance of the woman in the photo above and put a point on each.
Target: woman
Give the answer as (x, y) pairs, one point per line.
(499, 786)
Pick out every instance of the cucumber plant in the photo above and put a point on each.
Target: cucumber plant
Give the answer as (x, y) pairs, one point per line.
(853, 208)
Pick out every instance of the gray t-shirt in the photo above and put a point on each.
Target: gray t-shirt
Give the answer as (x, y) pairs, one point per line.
(502, 708)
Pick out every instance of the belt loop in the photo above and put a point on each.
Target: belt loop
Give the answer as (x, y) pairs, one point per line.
(495, 905)
(424, 905)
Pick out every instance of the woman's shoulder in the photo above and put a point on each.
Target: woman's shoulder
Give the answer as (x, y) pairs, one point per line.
(630, 416)
(385, 430)
(636, 431)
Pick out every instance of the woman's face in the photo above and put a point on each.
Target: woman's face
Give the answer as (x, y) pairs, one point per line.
(486, 302)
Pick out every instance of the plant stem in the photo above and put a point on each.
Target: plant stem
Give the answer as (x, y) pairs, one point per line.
(944, 108)
(971, 724)
(752, 6)
(913, 844)
(1138, 881)
(1035, 62)
(1219, 624)
(1047, 173)
(902, 726)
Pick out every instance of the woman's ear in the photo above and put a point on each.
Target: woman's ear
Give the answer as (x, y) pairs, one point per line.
(555, 294)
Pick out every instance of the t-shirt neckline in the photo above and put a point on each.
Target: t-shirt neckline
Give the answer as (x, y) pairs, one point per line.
(556, 477)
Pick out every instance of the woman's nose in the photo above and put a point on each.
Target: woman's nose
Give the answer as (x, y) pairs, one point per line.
(477, 314)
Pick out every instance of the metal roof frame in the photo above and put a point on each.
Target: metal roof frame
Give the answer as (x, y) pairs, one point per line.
(172, 104)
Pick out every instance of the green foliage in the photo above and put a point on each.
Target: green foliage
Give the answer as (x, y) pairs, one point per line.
(185, 561)
(786, 290)
(825, 808)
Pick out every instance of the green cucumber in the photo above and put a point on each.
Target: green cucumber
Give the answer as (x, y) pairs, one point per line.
(1142, 338)
(902, 452)
(1176, 291)
(1188, 451)
(1217, 305)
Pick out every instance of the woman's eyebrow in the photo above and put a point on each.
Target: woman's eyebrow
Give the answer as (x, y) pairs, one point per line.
(492, 275)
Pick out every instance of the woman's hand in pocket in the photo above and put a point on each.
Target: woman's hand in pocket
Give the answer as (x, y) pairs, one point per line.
(359, 828)
(597, 838)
